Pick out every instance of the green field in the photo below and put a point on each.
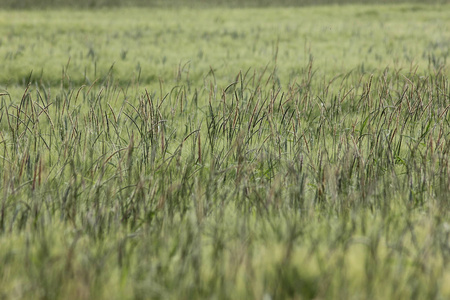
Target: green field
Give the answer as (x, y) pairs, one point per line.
(282, 152)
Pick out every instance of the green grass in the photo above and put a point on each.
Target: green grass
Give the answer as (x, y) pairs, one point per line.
(300, 153)
(31, 4)
(145, 45)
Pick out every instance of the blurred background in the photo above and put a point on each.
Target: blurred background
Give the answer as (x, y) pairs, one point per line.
(29, 4)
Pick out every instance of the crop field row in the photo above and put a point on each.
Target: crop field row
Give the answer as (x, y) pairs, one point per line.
(271, 153)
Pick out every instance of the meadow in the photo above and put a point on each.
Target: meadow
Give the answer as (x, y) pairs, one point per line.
(225, 153)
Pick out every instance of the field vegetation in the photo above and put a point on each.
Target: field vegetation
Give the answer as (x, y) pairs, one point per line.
(223, 153)
(199, 4)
